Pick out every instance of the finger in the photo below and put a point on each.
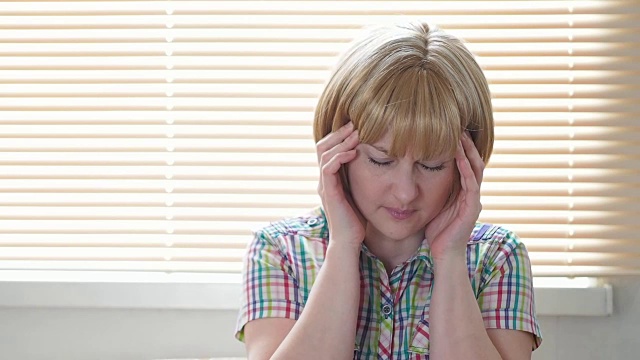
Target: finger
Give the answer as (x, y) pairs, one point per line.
(330, 178)
(471, 152)
(346, 145)
(468, 178)
(334, 138)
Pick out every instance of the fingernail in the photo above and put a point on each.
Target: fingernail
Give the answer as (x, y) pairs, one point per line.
(350, 124)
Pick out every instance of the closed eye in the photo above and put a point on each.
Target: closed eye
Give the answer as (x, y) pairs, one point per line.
(379, 163)
(425, 167)
(433, 168)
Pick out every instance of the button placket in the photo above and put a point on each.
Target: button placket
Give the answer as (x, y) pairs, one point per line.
(387, 310)
(385, 313)
(386, 330)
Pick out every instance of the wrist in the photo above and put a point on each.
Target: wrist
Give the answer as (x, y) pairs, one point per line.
(344, 248)
(450, 263)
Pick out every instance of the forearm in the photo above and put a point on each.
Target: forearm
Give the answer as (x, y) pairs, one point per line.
(326, 329)
(455, 323)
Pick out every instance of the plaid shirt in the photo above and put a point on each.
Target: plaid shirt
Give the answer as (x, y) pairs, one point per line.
(285, 257)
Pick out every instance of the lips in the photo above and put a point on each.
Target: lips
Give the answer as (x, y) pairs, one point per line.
(399, 214)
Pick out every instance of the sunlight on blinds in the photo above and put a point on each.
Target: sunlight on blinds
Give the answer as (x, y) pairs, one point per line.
(154, 135)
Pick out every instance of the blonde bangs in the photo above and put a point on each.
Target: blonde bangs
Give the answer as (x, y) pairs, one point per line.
(415, 82)
(417, 108)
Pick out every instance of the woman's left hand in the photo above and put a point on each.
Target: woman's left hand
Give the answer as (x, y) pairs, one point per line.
(449, 232)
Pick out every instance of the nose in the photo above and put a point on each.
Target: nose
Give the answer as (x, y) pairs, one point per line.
(405, 186)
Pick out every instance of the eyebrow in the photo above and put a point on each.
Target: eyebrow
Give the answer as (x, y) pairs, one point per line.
(386, 152)
(381, 149)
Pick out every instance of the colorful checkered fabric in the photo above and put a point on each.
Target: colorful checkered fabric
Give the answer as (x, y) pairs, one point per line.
(285, 257)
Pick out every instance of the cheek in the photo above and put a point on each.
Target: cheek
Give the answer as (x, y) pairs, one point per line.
(438, 188)
(365, 185)
(360, 170)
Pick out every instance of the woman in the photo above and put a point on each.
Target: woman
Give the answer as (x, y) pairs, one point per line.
(394, 265)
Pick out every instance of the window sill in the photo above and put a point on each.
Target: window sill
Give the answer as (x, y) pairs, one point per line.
(215, 292)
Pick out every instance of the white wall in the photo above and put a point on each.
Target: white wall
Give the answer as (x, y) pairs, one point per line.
(616, 337)
(70, 334)
(86, 334)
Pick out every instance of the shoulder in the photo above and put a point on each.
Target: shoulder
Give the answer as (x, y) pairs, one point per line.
(488, 233)
(308, 226)
(495, 243)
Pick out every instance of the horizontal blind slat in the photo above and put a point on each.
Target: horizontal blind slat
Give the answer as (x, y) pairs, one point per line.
(172, 129)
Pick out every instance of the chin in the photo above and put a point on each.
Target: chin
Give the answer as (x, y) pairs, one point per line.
(403, 235)
(396, 231)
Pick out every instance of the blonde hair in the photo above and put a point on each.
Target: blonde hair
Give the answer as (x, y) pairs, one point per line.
(414, 80)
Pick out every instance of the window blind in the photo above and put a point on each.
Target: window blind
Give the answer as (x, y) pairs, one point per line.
(154, 135)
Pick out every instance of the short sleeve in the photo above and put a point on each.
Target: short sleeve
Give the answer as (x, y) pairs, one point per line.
(268, 288)
(506, 296)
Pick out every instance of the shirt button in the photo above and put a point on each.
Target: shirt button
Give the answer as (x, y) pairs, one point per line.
(386, 310)
(312, 222)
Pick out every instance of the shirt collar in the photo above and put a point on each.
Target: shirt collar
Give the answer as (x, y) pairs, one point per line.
(423, 254)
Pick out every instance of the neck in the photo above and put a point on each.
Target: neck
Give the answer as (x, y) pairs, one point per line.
(391, 252)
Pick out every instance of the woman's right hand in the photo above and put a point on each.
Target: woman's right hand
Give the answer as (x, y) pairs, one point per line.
(346, 224)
